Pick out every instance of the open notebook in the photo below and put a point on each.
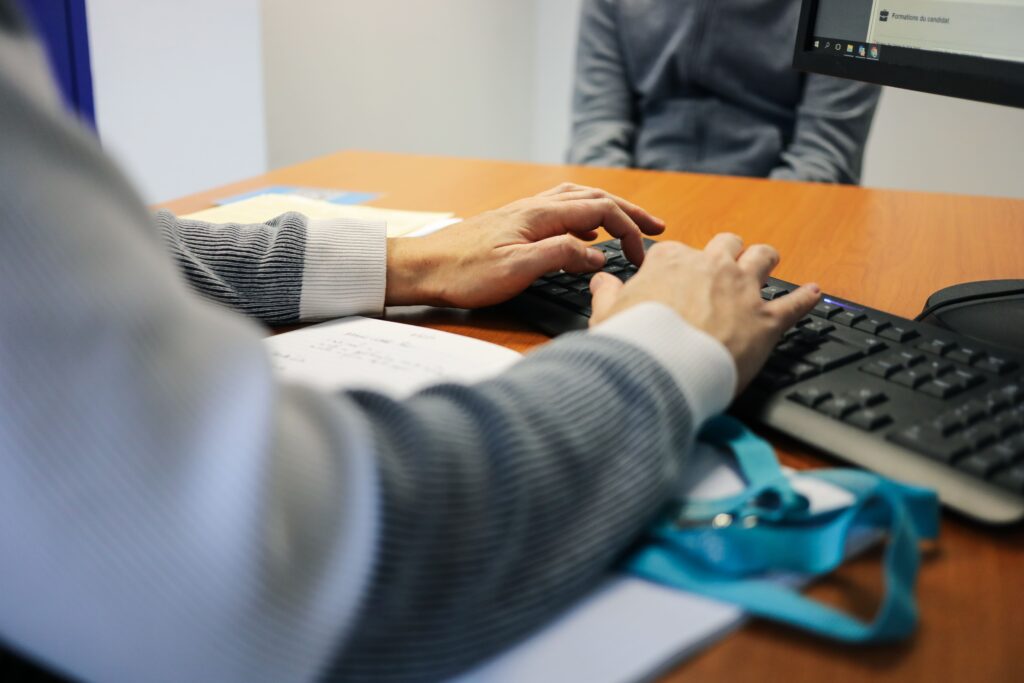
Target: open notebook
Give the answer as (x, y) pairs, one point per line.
(627, 629)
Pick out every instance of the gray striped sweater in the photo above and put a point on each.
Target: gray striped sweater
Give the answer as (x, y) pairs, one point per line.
(170, 511)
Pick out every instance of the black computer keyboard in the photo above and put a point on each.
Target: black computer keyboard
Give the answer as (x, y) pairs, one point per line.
(906, 399)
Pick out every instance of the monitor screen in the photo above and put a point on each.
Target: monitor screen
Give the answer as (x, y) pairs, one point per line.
(965, 48)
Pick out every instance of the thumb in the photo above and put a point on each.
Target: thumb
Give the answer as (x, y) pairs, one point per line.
(605, 289)
(563, 253)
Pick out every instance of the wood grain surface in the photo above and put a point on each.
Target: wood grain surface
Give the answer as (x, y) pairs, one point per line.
(885, 249)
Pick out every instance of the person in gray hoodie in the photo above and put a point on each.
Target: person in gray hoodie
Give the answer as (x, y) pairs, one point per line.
(707, 86)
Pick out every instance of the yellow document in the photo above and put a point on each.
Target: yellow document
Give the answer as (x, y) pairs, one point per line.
(266, 206)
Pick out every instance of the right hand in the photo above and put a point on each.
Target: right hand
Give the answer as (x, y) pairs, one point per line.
(717, 290)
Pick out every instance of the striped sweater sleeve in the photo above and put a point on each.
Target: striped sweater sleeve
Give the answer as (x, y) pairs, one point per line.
(286, 270)
(171, 510)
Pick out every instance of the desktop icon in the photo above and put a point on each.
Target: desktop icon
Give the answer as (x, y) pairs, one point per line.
(862, 51)
(828, 44)
(884, 16)
(849, 48)
(839, 46)
(817, 43)
(874, 52)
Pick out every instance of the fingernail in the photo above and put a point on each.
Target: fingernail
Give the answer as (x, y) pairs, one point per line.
(596, 257)
(816, 289)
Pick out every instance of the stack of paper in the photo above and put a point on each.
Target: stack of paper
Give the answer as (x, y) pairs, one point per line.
(266, 206)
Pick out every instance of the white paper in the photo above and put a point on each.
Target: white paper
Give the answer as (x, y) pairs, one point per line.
(630, 629)
(266, 206)
(627, 629)
(393, 358)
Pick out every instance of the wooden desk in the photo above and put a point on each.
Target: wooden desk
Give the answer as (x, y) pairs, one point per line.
(885, 249)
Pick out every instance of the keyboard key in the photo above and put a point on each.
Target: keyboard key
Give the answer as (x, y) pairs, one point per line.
(771, 292)
(964, 355)
(847, 318)
(871, 325)
(580, 286)
(838, 407)
(825, 310)
(966, 379)
(881, 369)
(800, 371)
(1013, 393)
(872, 345)
(811, 396)
(797, 348)
(910, 358)
(1007, 423)
(948, 423)
(936, 346)
(930, 443)
(940, 388)
(770, 379)
(972, 411)
(995, 403)
(938, 368)
(979, 436)
(868, 397)
(869, 419)
(1012, 449)
(832, 355)
(994, 364)
(899, 334)
(817, 328)
(553, 291)
(982, 465)
(564, 279)
(613, 269)
(911, 378)
(1011, 479)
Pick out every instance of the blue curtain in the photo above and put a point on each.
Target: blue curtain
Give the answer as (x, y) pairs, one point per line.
(62, 26)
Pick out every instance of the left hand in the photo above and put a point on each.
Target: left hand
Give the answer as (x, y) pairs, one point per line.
(490, 258)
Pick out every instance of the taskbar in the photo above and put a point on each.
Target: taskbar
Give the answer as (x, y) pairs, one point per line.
(847, 48)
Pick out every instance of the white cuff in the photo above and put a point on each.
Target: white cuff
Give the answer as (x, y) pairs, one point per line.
(702, 367)
(345, 269)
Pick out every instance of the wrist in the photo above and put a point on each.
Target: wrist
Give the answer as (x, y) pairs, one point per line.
(411, 274)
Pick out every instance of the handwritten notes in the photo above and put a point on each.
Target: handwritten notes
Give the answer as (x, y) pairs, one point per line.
(383, 356)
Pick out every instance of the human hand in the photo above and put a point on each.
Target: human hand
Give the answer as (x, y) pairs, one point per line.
(717, 290)
(490, 258)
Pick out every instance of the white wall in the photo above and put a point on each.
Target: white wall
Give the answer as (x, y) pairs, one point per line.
(179, 90)
(928, 142)
(438, 77)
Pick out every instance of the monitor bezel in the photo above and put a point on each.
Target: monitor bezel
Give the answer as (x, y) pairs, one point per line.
(963, 76)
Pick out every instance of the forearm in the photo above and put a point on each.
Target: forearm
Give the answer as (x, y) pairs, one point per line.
(833, 122)
(603, 125)
(286, 270)
(505, 502)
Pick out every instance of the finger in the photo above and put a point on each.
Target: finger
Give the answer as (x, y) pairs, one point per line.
(561, 188)
(725, 244)
(788, 310)
(586, 215)
(587, 236)
(604, 289)
(759, 260)
(648, 223)
(562, 253)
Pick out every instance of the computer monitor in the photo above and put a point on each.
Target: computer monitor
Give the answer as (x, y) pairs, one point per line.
(972, 49)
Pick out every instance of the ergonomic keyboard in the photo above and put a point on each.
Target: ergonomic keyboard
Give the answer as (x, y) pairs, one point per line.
(906, 399)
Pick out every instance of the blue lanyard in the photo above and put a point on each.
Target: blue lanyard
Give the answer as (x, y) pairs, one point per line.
(725, 548)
